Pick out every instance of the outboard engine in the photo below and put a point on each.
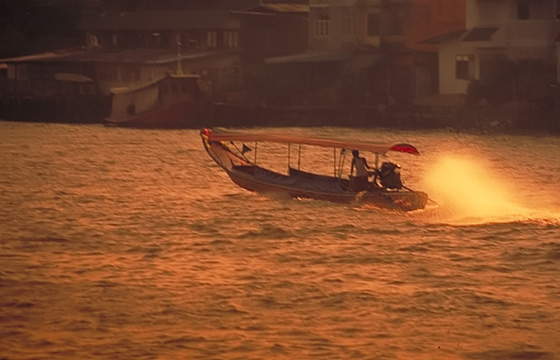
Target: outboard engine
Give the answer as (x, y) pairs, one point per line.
(390, 176)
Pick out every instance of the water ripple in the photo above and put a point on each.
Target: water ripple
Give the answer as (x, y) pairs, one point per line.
(120, 243)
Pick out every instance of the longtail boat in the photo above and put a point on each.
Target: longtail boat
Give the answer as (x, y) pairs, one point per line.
(384, 190)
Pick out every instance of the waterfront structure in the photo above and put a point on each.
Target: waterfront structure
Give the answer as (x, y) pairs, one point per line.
(377, 41)
(51, 86)
(500, 32)
(267, 30)
(272, 29)
(205, 43)
(413, 73)
(121, 49)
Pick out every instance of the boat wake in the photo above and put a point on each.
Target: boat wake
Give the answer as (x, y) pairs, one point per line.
(468, 191)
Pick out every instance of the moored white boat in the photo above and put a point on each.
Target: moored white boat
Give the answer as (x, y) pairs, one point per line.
(172, 101)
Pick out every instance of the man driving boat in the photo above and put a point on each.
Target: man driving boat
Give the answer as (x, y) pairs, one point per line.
(359, 180)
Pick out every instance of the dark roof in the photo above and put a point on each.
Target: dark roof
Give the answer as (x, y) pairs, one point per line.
(182, 5)
(313, 57)
(444, 37)
(125, 56)
(145, 20)
(480, 34)
(301, 2)
(278, 9)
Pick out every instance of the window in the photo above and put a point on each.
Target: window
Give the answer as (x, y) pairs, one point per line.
(523, 10)
(347, 20)
(373, 24)
(348, 25)
(235, 39)
(212, 39)
(396, 26)
(190, 40)
(230, 38)
(463, 67)
(321, 28)
(322, 24)
(226, 36)
(108, 74)
(130, 74)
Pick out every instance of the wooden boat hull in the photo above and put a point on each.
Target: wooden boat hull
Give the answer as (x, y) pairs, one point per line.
(299, 184)
(394, 200)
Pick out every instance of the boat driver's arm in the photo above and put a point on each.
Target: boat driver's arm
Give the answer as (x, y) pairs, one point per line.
(366, 164)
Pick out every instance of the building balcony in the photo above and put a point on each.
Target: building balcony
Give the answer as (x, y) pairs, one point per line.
(517, 33)
(536, 33)
(368, 2)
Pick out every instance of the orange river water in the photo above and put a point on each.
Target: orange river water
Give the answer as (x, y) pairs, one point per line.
(132, 244)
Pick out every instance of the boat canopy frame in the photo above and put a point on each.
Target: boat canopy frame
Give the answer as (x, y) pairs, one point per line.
(224, 149)
(316, 141)
(338, 160)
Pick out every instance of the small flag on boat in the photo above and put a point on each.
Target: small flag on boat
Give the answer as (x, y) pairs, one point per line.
(245, 149)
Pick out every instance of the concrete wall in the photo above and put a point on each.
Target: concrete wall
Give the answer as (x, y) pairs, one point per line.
(429, 18)
(448, 84)
(558, 62)
(517, 39)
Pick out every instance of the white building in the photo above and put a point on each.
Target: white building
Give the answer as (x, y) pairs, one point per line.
(516, 30)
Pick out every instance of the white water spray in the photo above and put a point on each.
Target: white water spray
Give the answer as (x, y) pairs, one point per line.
(468, 191)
